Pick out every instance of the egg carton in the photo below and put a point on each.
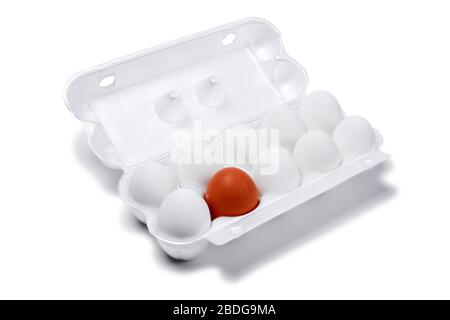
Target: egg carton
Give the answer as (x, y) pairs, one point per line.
(228, 76)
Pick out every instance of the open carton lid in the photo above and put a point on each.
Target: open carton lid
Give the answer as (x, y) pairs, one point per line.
(222, 77)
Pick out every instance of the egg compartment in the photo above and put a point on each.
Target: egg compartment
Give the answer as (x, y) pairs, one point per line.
(223, 229)
(227, 76)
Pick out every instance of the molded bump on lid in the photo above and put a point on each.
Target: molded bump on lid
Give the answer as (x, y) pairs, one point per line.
(289, 79)
(170, 108)
(210, 93)
(267, 43)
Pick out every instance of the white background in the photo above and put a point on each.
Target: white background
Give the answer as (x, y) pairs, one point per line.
(64, 232)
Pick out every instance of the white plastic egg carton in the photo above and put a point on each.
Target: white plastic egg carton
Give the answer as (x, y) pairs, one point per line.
(226, 76)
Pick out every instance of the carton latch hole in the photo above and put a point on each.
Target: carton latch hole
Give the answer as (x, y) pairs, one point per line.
(107, 81)
(229, 39)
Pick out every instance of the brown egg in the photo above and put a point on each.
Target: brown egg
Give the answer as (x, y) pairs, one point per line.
(231, 192)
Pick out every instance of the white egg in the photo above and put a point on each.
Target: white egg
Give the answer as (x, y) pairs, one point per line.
(316, 151)
(354, 136)
(276, 171)
(239, 145)
(151, 183)
(183, 216)
(321, 111)
(288, 122)
(196, 176)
